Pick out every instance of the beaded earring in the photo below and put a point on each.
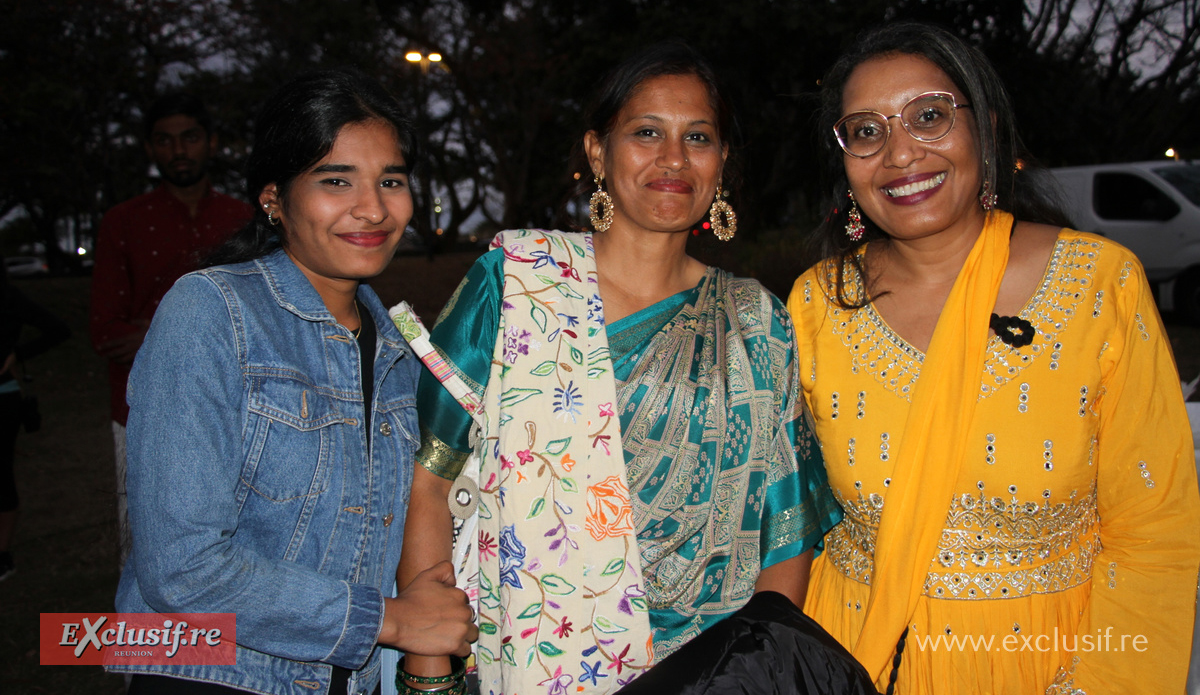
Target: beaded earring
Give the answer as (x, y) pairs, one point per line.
(854, 227)
(987, 197)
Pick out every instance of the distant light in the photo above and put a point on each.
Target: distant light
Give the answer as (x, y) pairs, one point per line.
(577, 176)
(1020, 164)
(435, 57)
(1170, 152)
(440, 231)
(81, 251)
(413, 57)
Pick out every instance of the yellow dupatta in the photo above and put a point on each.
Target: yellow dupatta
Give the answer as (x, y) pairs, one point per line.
(932, 449)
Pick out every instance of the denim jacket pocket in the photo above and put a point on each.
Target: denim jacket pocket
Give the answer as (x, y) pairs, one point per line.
(291, 437)
(401, 416)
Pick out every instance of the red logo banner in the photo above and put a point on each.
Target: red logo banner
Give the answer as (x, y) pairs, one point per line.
(109, 639)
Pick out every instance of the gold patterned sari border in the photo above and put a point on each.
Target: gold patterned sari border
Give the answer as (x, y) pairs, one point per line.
(439, 458)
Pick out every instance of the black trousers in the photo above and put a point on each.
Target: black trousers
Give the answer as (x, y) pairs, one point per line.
(146, 684)
(10, 422)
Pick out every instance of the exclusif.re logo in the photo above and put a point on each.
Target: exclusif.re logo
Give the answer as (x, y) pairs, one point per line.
(106, 639)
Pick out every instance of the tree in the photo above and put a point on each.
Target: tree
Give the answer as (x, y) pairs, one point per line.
(1092, 81)
(75, 74)
(1124, 78)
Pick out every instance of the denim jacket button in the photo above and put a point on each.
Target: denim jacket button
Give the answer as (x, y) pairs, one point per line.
(385, 429)
(387, 519)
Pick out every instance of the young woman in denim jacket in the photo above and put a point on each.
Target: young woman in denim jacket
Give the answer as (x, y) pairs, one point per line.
(259, 483)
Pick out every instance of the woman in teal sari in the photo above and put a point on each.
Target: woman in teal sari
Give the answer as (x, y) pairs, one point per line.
(642, 459)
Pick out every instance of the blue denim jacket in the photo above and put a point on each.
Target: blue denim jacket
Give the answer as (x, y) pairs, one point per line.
(250, 486)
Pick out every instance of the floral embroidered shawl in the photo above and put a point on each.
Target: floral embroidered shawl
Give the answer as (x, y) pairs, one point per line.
(560, 584)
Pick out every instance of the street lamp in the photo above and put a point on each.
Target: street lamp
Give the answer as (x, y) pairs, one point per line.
(424, 59)
(424, 190)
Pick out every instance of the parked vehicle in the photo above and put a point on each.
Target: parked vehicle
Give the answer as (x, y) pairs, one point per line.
(25, 266)
(1152, 208)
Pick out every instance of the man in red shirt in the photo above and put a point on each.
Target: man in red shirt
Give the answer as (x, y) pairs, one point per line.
(145, 244)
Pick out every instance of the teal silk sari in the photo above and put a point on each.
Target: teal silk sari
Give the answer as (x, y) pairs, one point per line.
(725, 473)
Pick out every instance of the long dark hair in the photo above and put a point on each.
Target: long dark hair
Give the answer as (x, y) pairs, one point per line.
(1000, 147)
(297, 128)
(619, 86)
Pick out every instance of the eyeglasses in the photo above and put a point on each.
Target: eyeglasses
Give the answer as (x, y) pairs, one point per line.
(927, 117)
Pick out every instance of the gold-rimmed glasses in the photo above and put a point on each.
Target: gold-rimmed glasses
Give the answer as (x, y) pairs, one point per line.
(927, 117)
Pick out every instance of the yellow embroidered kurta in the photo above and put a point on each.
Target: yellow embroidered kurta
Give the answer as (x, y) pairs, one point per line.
(1069, 556)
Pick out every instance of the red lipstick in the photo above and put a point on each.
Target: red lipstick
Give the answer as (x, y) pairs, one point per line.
(913, 189)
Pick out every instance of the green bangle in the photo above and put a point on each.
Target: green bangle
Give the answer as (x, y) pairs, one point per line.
(458, 670)
(458, 687)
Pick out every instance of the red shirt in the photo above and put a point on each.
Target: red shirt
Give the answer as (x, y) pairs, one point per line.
(145, 244)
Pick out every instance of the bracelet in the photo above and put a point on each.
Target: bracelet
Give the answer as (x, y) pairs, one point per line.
(457, 688)
(458, 669)
(453, 684)
(439, 689)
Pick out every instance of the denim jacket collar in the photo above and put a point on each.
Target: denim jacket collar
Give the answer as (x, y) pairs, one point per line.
(293, 291)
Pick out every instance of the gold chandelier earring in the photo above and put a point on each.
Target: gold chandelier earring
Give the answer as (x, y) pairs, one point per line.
(722, 217)
(600, 207)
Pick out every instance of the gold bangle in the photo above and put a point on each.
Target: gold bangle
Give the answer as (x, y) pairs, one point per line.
(438, 689)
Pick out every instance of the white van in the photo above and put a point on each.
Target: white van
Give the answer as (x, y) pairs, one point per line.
(1152, 208)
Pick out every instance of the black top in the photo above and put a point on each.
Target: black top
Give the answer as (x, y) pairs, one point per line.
(18, 311)
(366, 353)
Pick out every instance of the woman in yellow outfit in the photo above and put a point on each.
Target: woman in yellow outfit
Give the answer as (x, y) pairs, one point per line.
(997, 403)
